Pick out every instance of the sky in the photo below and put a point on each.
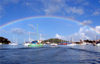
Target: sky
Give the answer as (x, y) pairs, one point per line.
(85, 11)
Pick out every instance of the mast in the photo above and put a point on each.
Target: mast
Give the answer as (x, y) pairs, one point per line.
(95, 37)
(72, 40)
(14, 40)
(37, 32)
(29, 36)
(40, 36)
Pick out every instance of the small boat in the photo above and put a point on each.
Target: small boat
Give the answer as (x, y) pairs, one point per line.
(0, 43)
(71, 44)
(14, 44)
(26, 44)
(53, 44)
(63, 44)
(98, 44)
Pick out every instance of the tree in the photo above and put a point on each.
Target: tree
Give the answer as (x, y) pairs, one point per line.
(4, 40)
(54, 40)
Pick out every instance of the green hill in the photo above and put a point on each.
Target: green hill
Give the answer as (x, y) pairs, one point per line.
(54, 40)
(4, 40)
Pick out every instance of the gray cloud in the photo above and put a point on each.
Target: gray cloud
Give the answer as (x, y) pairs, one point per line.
(86, 22)
(52, 7)
(75, 10)
(18, 31)
(96, 13)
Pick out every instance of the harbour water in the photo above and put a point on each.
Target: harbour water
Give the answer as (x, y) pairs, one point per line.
(79, 54)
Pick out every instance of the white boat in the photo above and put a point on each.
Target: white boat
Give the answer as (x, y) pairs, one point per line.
(53, 44)
(0, 43)
(26, 44)
(14, 44)
(98, 44)
(71, 44)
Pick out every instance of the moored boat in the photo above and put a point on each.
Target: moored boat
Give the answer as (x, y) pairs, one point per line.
(53, 44)
(98, 44)
(14, 44)
(26, 44)
(0, 43)
(71, 44)
(35, 44)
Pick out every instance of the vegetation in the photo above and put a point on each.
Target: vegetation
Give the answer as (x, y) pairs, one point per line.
(54, 40)
(4, 40)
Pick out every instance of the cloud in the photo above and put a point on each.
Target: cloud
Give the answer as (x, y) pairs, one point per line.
(1, 11)
(96, 13)
(97, 29)
(75, 10)
(50, 7)
(61, 7)
(53, 7)
(3, 32)
(86, 22)
(18, 31)
(58, 36)
(87, 33)
(4, 4)
(83, 33)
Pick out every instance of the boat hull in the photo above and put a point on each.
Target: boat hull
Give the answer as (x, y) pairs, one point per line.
(35, 45)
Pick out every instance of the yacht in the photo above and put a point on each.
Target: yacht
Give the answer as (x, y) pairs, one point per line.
(35, 44)
(26, 44)
(14, 44)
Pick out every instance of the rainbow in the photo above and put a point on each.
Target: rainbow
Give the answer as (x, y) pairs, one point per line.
(18, 20)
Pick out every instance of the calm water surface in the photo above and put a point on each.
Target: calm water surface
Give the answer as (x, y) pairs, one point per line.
(79, 54)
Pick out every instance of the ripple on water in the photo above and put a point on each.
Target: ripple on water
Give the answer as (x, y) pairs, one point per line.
(48, 55)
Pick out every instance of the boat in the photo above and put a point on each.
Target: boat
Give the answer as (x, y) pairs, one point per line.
(26, 44)
(14, 44)
(0, 43)
(53, 44)
(62, 43)
(98, 44)
(71, 44)
(35, 44)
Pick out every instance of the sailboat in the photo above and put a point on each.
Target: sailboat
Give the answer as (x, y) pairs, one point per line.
(13, 43)
(27, 43)
(36, 43)
(71, 43)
